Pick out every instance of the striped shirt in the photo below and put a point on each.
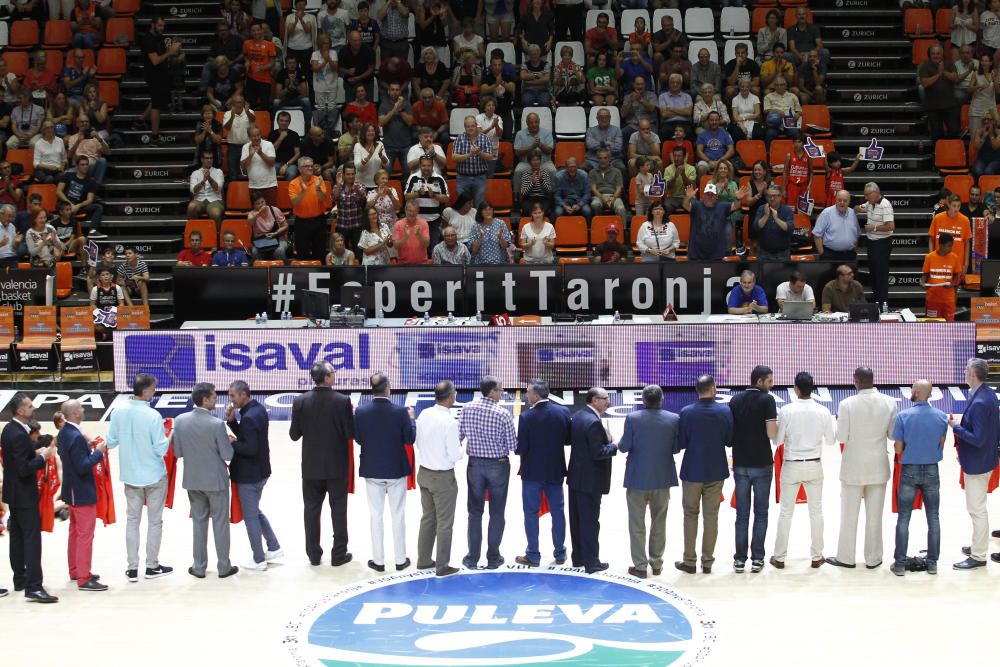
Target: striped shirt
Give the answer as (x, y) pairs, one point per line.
(126, 272)
(878, 214)
(430, 208)
(487, 429)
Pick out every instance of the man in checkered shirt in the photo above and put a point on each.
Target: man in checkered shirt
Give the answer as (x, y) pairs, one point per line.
(473, 153)
(350, 198)
(488, 431)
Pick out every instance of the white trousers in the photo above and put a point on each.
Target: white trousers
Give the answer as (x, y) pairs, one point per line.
(809, 474)
(975, 503)
(395, 489)
(851, 496)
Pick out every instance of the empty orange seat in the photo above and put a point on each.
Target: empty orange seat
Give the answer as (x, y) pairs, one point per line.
(120, 31)
(237, 197)
(111, 63)
(918, 22)
(499, 194)
(133, 318)
(571, 234)
(23, 34)
(959, 184)
(950, 156)
(58, 34)
(567, 149)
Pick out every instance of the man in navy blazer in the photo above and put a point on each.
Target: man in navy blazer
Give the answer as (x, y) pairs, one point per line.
(21, 462)
(650, 438)
(542, 436)
(589, 478)
(383, 430)
(976, 438)
(79, 491)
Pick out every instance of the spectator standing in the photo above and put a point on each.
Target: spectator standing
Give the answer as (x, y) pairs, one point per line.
(138, 429)
(286, 147)
(543, 433)
(325, 75)
(942, 273)
(333, 22)
(773, 227)
(966, 67)
(430, 192)
(472, 154)
(259, 54)
(952, 222)
(425, 146)
(710, 238)
(836, 231)
(396, 119)
(384, 198)
(438, 446)
(90, 144)
(411, 237)
(155, 58)
(300, 34)
(205, 186)
(257, 160)
(350, 199)
(357, 65)
(879, 226)
(491, 242)
(310, 196)
(500, 83)
(650, 440)
(201, 440)
(10, 239)
(237, 121)
(938, 77)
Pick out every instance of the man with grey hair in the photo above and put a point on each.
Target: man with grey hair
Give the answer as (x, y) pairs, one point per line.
(10, 240)
(836, 231)
(438, 448)
(650, 439)
(977, 435)
(604, 136)
(705, 430)
(200, 439)
(879, 226)
(773, 227)
(449, 250)
(864, 424)
(748, 297)
(529, 139)
(542, 436)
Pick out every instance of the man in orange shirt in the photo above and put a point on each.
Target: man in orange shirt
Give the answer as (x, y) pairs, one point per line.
(942, 273)
(259, 54)
(952, 222)
(310, 196)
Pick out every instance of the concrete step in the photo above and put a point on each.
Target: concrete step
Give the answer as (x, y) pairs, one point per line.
(137, 205)
(880, 94)
(838, 30)
(163, 223)
(176, 169)
(869, 62)
(853, 76)
(915, 128)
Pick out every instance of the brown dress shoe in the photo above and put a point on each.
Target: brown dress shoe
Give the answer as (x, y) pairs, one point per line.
(779, 564)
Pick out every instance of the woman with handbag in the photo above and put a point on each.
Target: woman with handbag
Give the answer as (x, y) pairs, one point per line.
(270, 229)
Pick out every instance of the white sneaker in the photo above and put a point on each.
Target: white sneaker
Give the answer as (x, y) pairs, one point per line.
(273, 555)
(254, 565)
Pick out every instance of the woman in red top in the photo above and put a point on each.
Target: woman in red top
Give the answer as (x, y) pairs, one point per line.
(364, 109)
(798, 173)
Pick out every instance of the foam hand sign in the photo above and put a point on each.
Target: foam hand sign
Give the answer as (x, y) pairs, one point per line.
(873, 153)
(805, 204)
(812, 150)
(657, 188)
(92, 253)
(789, 120)
(107, 318)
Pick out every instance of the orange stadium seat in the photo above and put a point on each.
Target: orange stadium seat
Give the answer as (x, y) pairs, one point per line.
(237, 197)
(505, 159)
(23, 34)
(126, 7)
(918, 22)
(207, 230)
(790, 18)
(571, 234)
(64, 279)
(241, 228)
(568, 149)
(988, 183)
(58, 34)
(750, 150)
(599, 228)
(54, 61)
(950, 156)
(959, 184)
(919, 49)
(119, 32)
(499, 193)
(108, 91)
(111, 63)
(48, 193)
(17, 62)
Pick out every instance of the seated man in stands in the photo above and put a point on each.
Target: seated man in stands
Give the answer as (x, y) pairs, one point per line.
(975, 208)
(678, 175)
(942, 273)
(195, 255)
(842, 291)
(644, 143)
(676, 106)
(88, 143)
(606, 187)
(49, 155)
(611, 250)
(80, 190)
(449, 250)
(67, 230)
(742, 68)
(713, 145)
(107, 261)
(747, 298)
(604, 136)
(779, 105)
(425, 146)
(229, 254)
(206, 190)
(804, 37)
(25, 121)
(794, 289)
(571, 191)
(133, 276)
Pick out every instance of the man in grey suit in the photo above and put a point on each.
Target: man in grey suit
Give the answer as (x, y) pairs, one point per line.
(201, 440)
(649, 440)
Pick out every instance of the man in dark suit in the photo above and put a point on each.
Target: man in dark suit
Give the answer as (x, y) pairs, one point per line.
(589, 478)
(542, 435)
(324, 419)
(383, 430)
(250, 470)
(79, 491)
(21, 463)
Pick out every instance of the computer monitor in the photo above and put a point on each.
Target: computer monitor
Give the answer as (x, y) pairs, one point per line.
(351, 296)
(863, 312)
(315, 305)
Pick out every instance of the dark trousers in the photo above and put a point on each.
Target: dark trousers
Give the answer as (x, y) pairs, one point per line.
(25, 528)
(94, 213)
(944, 123)
(584, 527)
(570, 19)
(838, 255)
(879, 253)
(310, 238)
(351, 238)
(314, 491)
(486, 476)
(258, 94)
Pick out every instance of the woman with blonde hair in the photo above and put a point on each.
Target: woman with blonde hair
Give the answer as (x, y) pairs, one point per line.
(384, 199)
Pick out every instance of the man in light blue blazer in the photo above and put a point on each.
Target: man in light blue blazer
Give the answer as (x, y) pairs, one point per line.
(649, 440)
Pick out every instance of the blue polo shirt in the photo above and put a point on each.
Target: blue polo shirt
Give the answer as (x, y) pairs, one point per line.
(705, 430)
(737, 298)
(921, 429)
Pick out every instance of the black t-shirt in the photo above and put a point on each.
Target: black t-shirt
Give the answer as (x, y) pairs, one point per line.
(320, 154)
(284, 152)
(428, 80)
(971, 213)
(223, 87)
(751, 410)
(77, 189)
(291, 87)
(750, 69)
(64, 232)
(360, 62)
(208, 144)
(154, 43)
(231, 48)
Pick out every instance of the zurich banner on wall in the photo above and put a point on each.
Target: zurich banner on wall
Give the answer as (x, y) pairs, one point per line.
(625, 355)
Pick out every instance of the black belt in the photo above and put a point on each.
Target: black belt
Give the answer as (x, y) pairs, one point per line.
(801, 460)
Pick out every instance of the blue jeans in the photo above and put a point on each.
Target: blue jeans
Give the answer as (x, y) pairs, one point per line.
(531, 499)
(85, 40)
(775, 126)
(759, 481)
(257, 524)
(981, 167)
(925, 477)
(492, 475)
(584, 210)
(536, 97)
(474, 186)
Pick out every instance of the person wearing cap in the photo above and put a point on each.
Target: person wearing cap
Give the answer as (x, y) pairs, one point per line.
(748, 297)
(711, 235)
(611, 249)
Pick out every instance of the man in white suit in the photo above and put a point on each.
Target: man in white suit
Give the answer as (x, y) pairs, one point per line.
(864, 425)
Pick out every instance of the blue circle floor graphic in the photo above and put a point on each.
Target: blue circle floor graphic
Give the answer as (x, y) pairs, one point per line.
(511, 616)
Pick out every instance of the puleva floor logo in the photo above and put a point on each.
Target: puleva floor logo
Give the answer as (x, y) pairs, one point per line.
(554, 616)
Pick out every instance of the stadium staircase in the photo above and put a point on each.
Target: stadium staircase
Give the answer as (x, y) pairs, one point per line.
(873, 95)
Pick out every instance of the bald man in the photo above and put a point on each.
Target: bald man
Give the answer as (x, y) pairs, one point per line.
(79, 491)
(919, 435)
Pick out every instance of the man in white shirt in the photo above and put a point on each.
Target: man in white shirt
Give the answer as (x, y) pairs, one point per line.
(237, 121)
(426, 146)
(206, 190)
(794, 289)
(864, 425)
(878, 229)
(438, 449)
(50, 155)
(257, 160)
(804, 426)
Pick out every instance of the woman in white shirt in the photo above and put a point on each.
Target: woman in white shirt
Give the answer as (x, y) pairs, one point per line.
(50, 155)
(491, 124)
(384, 199)
(300, 33)
(964, 23)
(746, 115)
(657, 238)
(375, 241)
(538, 237)
(369, 156)
(983, 87)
